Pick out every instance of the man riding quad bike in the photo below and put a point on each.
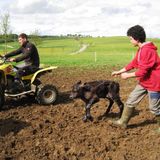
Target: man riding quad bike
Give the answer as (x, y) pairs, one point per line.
(30, 84)
(24, 79)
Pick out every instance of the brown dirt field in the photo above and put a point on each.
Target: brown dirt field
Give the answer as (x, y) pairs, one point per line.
(29, 131)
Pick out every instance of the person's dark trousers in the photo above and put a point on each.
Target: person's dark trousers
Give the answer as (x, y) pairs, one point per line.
(24, 71)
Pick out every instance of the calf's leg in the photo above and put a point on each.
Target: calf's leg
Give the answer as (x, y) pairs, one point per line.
(108, 109)
(120, 105)
(109, 106)
(87, 115)
(87, 110)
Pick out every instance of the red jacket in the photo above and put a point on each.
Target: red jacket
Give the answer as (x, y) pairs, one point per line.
(147, 63)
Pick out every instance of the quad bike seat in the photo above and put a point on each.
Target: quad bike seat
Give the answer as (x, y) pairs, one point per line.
(40, 71)
(29, 76)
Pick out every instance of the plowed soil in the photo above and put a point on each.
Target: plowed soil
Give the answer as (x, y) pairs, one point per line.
(29, 131)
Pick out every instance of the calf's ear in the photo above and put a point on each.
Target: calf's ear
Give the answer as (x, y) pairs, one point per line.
(79, 82)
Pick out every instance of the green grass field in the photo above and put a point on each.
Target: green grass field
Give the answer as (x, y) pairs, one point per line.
(102, 51)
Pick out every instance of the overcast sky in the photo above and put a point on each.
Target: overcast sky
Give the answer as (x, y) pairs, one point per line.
(87, 17)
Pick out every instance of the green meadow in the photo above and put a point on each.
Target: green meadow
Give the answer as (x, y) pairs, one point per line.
(100, 51)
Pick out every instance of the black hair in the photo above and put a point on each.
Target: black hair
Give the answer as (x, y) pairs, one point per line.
(137, 32)
(23, 35)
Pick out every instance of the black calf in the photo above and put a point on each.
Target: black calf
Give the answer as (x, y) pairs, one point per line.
(91, 92)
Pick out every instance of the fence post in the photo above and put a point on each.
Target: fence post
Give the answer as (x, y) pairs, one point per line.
(95, 56)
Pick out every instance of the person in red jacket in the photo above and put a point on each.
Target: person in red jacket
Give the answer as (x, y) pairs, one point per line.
(147, 65)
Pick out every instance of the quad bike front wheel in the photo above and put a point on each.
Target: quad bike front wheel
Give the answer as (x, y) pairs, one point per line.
(47, 94)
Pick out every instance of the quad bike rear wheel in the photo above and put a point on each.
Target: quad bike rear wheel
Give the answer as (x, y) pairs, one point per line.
(1, 97)
(47, 94)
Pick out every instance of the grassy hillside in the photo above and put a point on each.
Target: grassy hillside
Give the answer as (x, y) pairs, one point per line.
(101, 51)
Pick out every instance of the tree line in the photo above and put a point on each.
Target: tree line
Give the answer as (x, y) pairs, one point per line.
(6, 34)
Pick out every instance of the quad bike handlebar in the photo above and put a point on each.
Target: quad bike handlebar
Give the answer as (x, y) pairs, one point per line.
(4, 60)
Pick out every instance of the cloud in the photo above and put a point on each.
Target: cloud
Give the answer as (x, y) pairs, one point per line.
(83, 16)
(36, 6)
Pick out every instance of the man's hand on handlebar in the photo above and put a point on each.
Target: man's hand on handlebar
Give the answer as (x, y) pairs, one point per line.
(7, 59)
(11, 59)
(2, 56)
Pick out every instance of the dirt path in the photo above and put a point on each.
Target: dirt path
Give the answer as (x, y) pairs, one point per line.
(8, 46)
(32, 132)
(83, 48)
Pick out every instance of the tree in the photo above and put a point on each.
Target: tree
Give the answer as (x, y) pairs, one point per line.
(35, 37)
(5, 28)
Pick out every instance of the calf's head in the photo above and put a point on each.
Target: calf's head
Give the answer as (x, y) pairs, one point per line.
(76, 90)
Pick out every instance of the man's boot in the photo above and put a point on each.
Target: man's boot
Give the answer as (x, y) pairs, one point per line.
(17, 85)
(126, 115)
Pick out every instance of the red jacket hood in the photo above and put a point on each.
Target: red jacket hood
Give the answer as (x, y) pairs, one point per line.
(149, 45)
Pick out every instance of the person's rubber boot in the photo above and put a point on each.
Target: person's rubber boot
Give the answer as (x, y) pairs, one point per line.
(126, 115)
(157, 131)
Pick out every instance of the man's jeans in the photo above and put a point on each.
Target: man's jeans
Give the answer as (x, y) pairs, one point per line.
(139, 93)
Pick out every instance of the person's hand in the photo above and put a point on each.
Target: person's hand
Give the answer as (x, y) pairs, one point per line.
(12, 59)
(124, 75)
(115, 73)
(2, 55)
